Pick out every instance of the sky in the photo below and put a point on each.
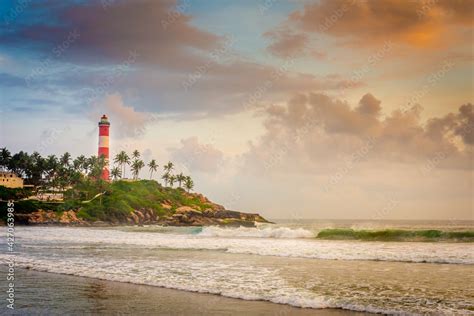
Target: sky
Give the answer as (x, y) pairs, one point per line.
(330, 109)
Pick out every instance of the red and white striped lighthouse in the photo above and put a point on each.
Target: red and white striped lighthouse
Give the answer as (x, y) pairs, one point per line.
(104, 125)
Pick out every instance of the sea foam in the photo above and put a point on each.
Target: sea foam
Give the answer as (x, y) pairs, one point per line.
(266, 232)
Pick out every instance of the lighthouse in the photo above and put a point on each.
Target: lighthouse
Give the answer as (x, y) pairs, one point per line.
(104, 126)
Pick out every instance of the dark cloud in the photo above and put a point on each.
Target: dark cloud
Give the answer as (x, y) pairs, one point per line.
(84, 48)
(159, 33)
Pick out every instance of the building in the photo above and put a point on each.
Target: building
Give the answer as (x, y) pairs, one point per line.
(10, 180)
(104, 126)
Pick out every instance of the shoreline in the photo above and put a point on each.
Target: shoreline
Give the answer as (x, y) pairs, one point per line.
(74, 294)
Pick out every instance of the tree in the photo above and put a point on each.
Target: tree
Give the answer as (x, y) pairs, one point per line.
(180, 178)
(171, 180)
(136, 154)
(64, 160)
(36, 168)
(76, 164)
(166, 178)
(168, 167)
(5, 157)
(81, 160)
(51, 167)
(137, 165)
(188, 183)
(96, 165)
(153, 167)
(116, 173)
(122, 159)
(19, 163)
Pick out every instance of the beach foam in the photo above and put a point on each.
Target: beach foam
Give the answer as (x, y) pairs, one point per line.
(264, 232)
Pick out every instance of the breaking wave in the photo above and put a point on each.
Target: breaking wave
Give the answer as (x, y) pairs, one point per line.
(396, 235)
(267, 232)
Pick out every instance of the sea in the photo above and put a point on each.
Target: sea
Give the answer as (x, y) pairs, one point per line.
(282, 265)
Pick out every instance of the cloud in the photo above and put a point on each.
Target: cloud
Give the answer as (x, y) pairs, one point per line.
(196, 156)
(168, 53)
(465, 126)
(286, 43)
(126, 120)
(158, 31)
(313, 132)
(369, 105)
(415, 23)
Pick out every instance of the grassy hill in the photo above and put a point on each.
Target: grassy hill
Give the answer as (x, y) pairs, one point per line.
(123, 197)
(125, 202)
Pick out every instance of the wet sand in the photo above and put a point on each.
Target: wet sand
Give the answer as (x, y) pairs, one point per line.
(52, 294)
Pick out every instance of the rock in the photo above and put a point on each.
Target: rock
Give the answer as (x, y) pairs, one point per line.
(166, 206)
(184, 209)
(140, 215)
(227, 214)
(217, 207)
(134, 217)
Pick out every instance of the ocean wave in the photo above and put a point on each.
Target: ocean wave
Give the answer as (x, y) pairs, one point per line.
(311, 248)
(266, 232)
(396, 235)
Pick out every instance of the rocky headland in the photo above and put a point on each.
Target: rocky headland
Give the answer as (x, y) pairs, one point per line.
(135, 203)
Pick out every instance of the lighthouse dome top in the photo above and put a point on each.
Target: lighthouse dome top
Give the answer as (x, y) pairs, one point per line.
(104, 120)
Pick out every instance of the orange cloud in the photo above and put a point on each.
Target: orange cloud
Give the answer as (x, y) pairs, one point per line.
(415, 23)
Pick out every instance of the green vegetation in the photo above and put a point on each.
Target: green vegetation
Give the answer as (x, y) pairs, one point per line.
(396, 235)
(122, 197)
(95, 199)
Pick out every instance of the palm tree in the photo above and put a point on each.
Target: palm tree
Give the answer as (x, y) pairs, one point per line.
(137, 165)
(96, 165)
(171, 180)
(82, 161)
(51, 167)
(188, 183)
(76, 164)
(65, 159)
(136, 154)
(180, 178)
(5, 157)
(122, 159)
(153, 167)
(116, 173)
(168, 167)
(166, 178)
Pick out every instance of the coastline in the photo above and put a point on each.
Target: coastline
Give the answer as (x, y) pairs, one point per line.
(69, 294)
